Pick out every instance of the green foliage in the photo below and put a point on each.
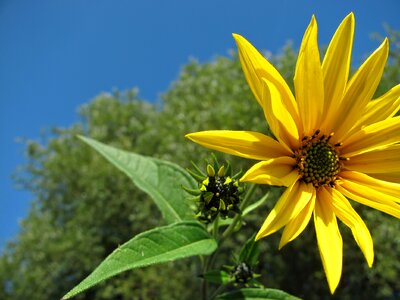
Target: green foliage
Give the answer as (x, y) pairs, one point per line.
(159, 245)
(158, 178)
(84, 208)
(250, 252)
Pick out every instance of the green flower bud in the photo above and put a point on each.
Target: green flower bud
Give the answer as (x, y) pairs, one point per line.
(219, 193)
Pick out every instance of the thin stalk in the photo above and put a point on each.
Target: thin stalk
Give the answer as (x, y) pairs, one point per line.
(204, 290)
(207, 262)
(215, 228)
(204, 266)
(221, 288)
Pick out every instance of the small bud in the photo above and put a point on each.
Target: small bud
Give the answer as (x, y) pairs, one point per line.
(222, 205)
(242, 273)
(221, 171)
(210, 170)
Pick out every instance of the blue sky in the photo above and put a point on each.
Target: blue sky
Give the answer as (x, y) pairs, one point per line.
(56, 55)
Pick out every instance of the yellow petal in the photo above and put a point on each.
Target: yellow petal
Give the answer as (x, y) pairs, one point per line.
(372, 137)
(345, 212)
(335, 68)
(298, 224)
(330, 242)
(308, 81)
(246, 144)
(391, 177)
(291, 203)
(383, 160)
(360, 90)
(386, 187)
(380, 109)
(279, 119)
(369, 197)
(275, 171)
(256, 67)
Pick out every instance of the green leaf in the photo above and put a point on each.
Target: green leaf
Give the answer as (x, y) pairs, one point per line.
(250, 252)
(256, 294)
(217, 276)
(155, 246)
(255, 205)
(273, 194)
(160, 179)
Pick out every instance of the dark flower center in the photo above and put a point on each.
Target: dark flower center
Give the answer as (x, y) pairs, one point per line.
(318, 161)
(216, 185)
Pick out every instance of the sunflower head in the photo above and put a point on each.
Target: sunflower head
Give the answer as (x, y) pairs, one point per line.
(319, 169)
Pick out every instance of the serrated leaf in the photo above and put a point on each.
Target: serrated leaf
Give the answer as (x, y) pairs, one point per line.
(155, 246)
(217, 276)
(161, 180)
(256, 294)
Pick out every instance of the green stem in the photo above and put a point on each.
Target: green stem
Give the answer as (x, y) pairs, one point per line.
(204, 289)
(215, 228)
(207, 262)
(204, 264)
(221, 288)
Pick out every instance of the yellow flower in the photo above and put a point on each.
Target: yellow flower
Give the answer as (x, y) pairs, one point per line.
(332, 142)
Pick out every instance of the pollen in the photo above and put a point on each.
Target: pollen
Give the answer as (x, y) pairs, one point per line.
(318, 161)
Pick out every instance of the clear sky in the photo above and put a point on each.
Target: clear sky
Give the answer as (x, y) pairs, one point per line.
(58, 54)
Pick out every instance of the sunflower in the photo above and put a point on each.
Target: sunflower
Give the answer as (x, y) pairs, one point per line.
(333, 142)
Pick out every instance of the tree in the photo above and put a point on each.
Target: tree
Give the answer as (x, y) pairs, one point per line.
(84, 208)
